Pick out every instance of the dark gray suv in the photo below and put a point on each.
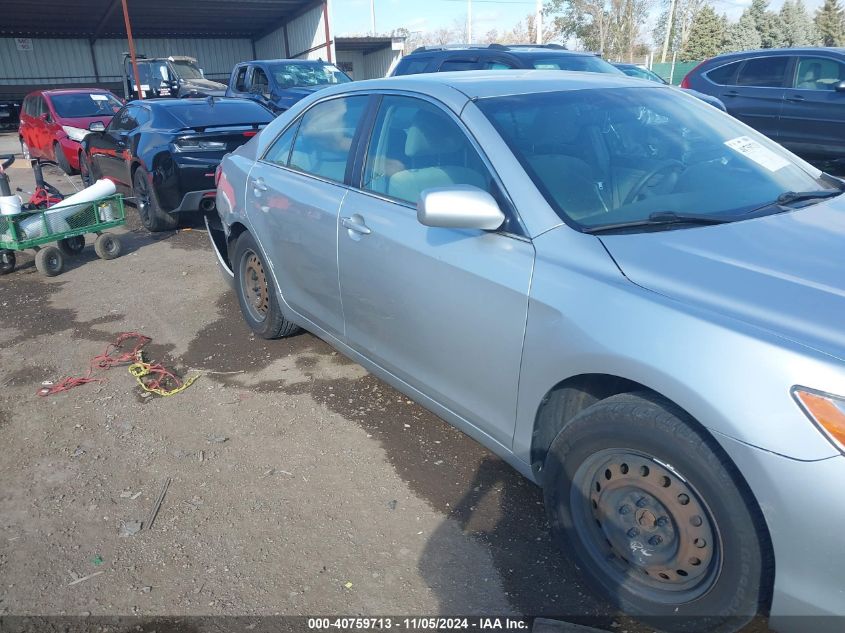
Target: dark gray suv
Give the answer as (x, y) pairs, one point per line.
(795, 96)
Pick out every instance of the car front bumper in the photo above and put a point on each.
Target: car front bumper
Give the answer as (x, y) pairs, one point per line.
(805, 514)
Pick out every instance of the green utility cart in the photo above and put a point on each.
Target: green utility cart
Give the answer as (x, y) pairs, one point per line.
(66, 227)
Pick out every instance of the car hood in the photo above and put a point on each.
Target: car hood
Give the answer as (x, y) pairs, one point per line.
(284, 99)
(784, 273)
(83, 122)
(204, 87)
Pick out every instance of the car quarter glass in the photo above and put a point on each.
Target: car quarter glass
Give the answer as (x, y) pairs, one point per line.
(325, 136)
(608, 157)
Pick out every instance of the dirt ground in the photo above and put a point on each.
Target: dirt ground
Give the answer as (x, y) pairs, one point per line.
(299, 484)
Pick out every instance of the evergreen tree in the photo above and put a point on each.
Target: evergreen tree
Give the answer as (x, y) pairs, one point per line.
(829, 22)
(743, 36)
(771, 30)
(798, 27)
(707, 36)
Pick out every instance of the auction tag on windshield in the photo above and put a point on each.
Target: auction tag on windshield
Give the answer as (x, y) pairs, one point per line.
(752, 150)
(99, 97)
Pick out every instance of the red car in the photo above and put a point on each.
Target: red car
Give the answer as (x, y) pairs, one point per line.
(53, 122)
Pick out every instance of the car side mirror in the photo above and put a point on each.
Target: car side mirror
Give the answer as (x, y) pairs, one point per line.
(840, 87)
(459, 207)
(97, 126)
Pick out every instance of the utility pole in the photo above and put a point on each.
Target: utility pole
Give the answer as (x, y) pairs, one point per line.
(372, 17)
(132, 50)
(538, 23)
(669, 23)
(469, 21)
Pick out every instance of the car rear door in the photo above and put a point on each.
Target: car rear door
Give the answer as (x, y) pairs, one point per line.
(757, 95)
(442, 309)
(41, 145)
(293, 198)
(813, 115)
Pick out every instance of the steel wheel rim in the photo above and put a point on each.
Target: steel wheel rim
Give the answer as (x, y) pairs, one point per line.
(645, 526)
(256, 292)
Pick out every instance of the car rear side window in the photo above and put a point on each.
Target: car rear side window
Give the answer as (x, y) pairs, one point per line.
(240, 79)
(818, 73)
(724, 75)
(416, 146)
(325, 137)
(763, 72)
(410, 66)
(461, 64)
(279, 152)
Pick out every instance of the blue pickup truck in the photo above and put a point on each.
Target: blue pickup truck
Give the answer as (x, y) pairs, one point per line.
(279, 83)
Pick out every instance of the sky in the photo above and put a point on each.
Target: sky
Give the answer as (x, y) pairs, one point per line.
(352, 17)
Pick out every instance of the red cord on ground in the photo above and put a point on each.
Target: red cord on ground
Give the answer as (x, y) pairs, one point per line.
(104, 361)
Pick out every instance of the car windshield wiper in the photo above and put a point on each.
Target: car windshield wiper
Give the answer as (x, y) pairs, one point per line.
(791, 197)
(663, 218)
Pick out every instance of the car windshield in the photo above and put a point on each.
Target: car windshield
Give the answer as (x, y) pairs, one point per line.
(641, 73)
(583, 63)
(605, 157)
(290, 75)
(187, 70)
(207, 113)
(81, 105)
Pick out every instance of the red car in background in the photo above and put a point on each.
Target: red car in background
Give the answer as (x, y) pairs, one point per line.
(53, 122)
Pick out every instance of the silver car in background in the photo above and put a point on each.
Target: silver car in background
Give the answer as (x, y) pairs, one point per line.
(634, 299)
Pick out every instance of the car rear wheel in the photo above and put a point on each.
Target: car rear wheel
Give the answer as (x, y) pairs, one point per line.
(656, 516)
(149, 211)
(62, 161)
(256, 292)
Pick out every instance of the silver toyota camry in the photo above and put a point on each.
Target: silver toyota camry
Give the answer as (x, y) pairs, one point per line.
(633, 298)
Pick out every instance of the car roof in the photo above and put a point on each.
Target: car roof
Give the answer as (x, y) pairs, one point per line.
(302, 62)
(555, 49)
(66, 91)
(165, 102)
(480, 84)
(778, 52)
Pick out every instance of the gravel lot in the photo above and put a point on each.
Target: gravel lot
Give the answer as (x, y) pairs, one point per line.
(331, 494)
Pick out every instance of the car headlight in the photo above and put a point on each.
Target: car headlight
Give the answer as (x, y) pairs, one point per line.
(75, 133)
(827, 411)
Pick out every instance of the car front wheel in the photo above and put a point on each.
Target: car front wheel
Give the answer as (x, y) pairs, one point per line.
(656, 516)
(256, 291)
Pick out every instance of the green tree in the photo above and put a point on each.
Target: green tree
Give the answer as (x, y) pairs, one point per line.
(743, 36)
(707, 36)
(771, 30)
(829, 22)
(798, 27)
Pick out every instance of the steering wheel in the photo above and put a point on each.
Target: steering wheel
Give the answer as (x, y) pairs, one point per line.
(665, 166)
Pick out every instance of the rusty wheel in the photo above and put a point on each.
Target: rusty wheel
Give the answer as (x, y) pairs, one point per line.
(647, 524)
(257, 293)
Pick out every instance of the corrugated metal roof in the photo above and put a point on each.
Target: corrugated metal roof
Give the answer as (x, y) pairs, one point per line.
(150, 18)
(367, 44)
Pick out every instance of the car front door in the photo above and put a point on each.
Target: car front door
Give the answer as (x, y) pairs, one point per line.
(442, 309)
(757, 96)
(294, 194)
(41, 146)
(109, 151)
(813, 115)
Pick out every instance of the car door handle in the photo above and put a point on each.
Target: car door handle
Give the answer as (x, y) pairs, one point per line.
(732, 93)
(356, 224)
(795, 98)
(259, 185)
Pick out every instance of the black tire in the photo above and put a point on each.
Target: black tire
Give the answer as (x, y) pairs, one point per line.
(7, 261)
(257, 292)
(72, 246)
(152, 217)
(62, 161)
(108, 246)
(88, 177)
(682, 547)
(49, 261)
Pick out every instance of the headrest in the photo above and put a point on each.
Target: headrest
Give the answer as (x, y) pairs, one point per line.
(425, 137)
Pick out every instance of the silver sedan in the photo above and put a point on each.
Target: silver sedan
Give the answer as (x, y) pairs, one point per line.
(634, 299)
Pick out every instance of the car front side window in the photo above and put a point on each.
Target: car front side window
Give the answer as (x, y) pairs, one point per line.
(818, 73)
(417, 146)
(325, 136)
